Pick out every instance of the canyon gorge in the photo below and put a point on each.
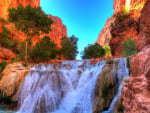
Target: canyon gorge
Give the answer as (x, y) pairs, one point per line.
(106, 85)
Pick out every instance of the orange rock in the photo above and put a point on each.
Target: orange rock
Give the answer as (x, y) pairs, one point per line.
(105, 34)
(6, 54)
(4, 5)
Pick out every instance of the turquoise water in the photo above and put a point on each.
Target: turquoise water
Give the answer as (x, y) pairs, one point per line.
(3, 109)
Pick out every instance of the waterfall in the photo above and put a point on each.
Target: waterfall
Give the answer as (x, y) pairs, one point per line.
(62, 88)
(123, 72)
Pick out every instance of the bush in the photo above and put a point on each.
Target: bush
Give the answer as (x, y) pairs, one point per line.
(2, 66)
(5, 32)
(69, 47)
(6, 43)
(129, 47)
(120, 107)
(120, 16)
(107, 51)
(93, 51)
(43, 51)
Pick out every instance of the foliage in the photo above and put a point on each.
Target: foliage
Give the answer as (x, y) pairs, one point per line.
(31, 21)
(6, 43)
(129, 47)
(5, 33)
(107, 51)
(3, 20)
(120, 107)
(69, 47)
(43, 51)
(93, 51)
(2, 66)
(120, 16)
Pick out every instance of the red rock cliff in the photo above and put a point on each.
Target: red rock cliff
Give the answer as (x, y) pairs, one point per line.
(5, 4)
(115, 32)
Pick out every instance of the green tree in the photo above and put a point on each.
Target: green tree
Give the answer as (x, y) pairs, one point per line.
(129, 47)
(31, 21)
(43, 51)
(107, 51)
(69, 47)
(93, 51)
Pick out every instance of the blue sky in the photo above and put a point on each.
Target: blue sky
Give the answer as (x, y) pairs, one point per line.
(83, 18)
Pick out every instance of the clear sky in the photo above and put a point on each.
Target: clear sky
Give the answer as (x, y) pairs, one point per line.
(83, 18)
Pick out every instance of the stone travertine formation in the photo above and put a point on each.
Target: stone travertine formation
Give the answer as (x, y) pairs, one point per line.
(136, 90)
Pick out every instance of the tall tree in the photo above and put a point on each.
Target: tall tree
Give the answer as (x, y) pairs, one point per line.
(31, 21)
(69, 47)
(93, 51)
(44, 50)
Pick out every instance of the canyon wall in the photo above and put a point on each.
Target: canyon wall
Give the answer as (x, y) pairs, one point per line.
(5, 4)
(124, 23)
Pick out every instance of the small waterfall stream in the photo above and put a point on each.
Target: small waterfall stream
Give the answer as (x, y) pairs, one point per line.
(123, 72)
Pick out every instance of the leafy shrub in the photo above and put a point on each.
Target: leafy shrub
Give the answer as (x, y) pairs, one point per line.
(107, 51)
(120, 107)
(6, 43)
(5, 32)
(69, 47)
(43, 51)
(93, 51)
(120, 16)
(129, 47)
(2, 66)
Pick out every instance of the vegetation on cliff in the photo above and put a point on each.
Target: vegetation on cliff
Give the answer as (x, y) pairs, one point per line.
(129, 47)
(31, 21)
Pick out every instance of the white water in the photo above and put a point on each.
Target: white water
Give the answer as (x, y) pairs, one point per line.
(123, 72)
(65, 88)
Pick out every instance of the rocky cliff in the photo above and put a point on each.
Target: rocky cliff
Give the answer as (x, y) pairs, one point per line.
(5, 4)
(125, 23)
(136, 90)
(59, 30)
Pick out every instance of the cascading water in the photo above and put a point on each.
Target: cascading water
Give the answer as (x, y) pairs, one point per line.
(63, 88)
(123, 72)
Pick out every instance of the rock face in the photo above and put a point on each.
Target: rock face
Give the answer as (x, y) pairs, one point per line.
(145, 24)
(11, 80)
(136, 90)
(6, 54)
(4, 5)
(105, 35)
(116, 32)
(128, 27)
(132, 6)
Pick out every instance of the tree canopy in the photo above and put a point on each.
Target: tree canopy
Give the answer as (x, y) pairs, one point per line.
(30, 20)
(43, 51)
(69, 47)
(93, 51)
